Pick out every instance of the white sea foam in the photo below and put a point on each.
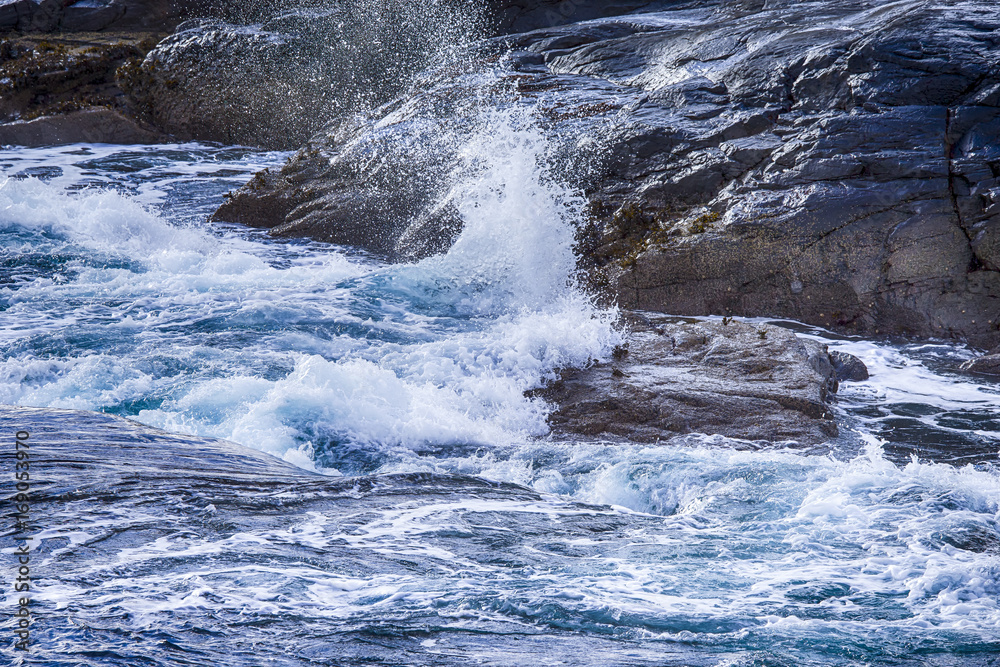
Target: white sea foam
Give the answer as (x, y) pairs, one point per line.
(288, 352)
(778, 543)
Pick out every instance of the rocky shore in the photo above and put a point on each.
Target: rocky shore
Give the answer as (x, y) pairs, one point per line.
(61, 89)
(834, 162)
(828, 162)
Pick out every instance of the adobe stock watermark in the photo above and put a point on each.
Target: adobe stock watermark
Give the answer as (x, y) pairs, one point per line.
(22, 541)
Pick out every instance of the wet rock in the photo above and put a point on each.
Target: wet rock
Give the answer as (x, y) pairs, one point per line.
(833, 162)
(755, 382)
(57, 90)
(515, 16)
(219, 82)
(91, 15)
(92, 126)
(988, 364)
(347, 176)
(274, 84)
(44, 16)
(848, 368)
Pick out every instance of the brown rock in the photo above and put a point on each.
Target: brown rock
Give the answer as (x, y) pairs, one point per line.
(90, 126)
(755, 382)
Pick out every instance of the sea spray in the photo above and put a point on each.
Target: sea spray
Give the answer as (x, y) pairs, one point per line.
(516, 246)
(327, 354)
(289, 69)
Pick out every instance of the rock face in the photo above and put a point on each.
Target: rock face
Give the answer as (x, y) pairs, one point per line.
(84, 126)
(275, 83)
(506, 16)
(219, 82)
(278, 81)
(516, 16)
(832, 161)
(756, 382)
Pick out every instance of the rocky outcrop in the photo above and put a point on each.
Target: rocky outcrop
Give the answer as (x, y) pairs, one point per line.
(517, 16)
(833, 162)
(987, 364)
(505, 16)
(57, 90)
(740, 380)
(225, 83)
(279, 79)
(85, 126)
(848, 368)
(276, 83)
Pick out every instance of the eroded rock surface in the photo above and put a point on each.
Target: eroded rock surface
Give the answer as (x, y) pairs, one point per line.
(834, 162)
(755, 382)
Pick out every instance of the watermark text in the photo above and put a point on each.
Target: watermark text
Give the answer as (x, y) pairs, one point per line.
(22, 541)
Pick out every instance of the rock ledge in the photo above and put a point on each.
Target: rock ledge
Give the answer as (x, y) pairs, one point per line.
(739, 380)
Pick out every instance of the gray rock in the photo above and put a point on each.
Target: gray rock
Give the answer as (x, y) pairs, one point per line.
(45, 16)
(833, 161)
(848, 368)
(91, 15)
(14, 13)
(215, 82)
(94, 15)
(516, 16)
(384, 191)
(755, 382)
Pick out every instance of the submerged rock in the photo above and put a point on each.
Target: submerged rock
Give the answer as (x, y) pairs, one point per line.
(740, 380)
(833, 162)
